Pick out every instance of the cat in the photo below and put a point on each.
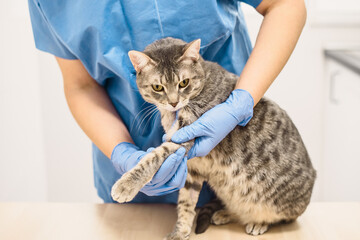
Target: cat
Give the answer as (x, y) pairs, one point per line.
(261, 173)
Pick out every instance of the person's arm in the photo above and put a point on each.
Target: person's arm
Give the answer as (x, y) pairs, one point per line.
(279, 32)
(91, 107)
(278, 35)
(96, 115)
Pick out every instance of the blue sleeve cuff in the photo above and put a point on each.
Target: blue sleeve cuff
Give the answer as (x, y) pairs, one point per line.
(253, 3)
(121, 153)
(45, 38)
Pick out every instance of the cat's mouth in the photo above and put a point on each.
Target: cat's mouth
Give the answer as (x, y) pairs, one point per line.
(174, 109)
(171, 108)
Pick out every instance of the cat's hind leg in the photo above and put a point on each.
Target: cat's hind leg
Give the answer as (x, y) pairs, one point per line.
(188, 197)
(221, 217)
(205, 214)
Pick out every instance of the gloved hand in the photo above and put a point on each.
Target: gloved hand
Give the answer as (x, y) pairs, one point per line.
(170, 177)
(216, 123)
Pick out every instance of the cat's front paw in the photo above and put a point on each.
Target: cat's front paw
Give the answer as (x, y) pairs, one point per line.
(177, 236)
(125, 189)
(256, 228)
(181, 232)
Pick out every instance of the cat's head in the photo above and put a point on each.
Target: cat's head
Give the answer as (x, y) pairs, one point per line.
(169, 72)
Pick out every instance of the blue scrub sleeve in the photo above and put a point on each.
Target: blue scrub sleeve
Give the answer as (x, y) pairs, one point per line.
(253, 3)
(45, 38)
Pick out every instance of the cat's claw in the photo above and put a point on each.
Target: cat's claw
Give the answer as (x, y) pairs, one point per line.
(124, 190)
(256, 229)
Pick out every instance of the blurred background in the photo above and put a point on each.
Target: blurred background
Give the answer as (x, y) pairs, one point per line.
(44, 155)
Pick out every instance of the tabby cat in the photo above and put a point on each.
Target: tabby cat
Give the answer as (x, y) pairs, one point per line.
(261, 173)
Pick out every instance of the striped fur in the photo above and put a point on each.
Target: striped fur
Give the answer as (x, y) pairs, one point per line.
(262, 173)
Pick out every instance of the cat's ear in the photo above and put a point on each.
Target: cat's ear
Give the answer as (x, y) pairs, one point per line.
(192, 51)
(139, 60)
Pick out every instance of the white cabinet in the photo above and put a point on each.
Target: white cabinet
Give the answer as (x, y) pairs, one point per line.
(341, 162)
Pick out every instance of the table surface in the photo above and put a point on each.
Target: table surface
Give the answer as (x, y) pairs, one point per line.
(322, 220)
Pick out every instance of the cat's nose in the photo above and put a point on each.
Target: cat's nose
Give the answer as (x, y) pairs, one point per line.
(174, 104)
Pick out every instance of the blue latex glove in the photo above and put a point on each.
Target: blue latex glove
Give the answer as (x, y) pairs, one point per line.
(170, 177)
(216, 123)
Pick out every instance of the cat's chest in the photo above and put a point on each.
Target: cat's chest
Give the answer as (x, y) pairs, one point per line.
(172, 121)
(167, 120)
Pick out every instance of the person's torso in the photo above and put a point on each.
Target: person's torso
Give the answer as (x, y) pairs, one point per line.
(100, 34)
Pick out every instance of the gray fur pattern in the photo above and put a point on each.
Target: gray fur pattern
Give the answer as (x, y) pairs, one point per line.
(262, 173)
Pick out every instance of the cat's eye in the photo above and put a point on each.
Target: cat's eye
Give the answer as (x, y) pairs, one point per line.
(184, 83)
(157, 88)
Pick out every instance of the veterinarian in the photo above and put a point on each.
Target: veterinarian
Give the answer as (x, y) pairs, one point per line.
(91, 39)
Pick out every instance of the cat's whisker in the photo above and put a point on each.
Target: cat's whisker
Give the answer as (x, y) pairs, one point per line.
(141, 110)
(149, 119)
(146, 116)
(137, 115)
(159, 115)
(142, 117)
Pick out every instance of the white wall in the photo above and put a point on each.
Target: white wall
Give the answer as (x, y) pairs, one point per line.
(44, 156)
(22, 159)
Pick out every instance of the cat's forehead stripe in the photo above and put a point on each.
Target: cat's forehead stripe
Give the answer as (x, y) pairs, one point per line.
(162, 79)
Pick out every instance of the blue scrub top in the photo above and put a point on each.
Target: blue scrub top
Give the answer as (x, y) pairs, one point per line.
(100, 34)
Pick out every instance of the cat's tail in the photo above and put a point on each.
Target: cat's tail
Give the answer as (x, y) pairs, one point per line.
(206, 212)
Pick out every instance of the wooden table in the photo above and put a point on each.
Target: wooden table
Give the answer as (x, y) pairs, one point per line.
(81, 221)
